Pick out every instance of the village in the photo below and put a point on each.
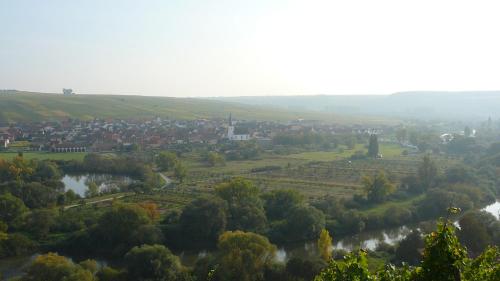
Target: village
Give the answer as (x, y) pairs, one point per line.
(100, 135)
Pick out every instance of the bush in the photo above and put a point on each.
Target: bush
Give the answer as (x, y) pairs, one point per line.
(268, 168)
(396, 216)
(17, 245)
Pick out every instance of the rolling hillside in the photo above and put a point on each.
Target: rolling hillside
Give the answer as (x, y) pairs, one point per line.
(18, 106)
(468, 106)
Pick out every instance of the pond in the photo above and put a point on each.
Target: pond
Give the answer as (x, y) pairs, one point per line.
(105, 182)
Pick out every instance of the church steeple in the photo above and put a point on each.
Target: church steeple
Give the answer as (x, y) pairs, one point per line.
(230, 119)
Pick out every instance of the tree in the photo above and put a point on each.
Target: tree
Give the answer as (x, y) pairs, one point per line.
(54, 267)
(243, 256)
(92, 190)
(39, 222)
(116, 228)
(166, 160)
(474, 231)
(204, 220)
(11, 208)
(427, 173)
(467, 131)
(304, 223)
(36, 195)
(378, 187)
(409, 249)
(180, 171)
(151, 210)
(45, 170)
(279, 203)
(152, 263)
(303, 268)
(214, 158)
(401, 135)
(245, 208)
(110, 274)
(373, 146)
(325, 245)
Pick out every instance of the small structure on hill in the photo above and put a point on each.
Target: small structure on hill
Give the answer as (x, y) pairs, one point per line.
(68, 92)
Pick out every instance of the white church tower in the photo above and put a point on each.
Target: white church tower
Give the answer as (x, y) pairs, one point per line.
(230, 128)
(230, 132)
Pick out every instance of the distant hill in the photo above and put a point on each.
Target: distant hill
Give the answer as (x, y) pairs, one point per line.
(29, 106)
(419, 105)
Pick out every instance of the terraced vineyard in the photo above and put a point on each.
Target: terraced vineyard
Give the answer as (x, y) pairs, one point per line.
(340, 178)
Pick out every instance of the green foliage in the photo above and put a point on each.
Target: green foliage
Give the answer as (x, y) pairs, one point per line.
(180, 171)
(39, 222)
(279, 203)
(378, 187)
(325, 245)
(203, 220)
(245, 208)
(11, 208)
(304, 223)
(478, 230)
(299, 268)
(243, 256)
(54, 267)
(373, 149)
(116, 229)
(15, 244)
(166, 160)
(213, 159)
(427, 173)
(92, 191)
(152, 262)
(486, 267)
(409, 249)
(444, 257)
(354, 267)
(110, 274)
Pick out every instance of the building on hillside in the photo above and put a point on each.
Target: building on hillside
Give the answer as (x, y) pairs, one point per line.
(68, 92)
(68, 147)
(231, 134)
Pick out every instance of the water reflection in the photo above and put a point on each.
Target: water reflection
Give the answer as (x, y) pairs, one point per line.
(493, 209)
(105, 182)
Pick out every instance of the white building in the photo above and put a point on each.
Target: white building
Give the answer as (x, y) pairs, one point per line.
(68, 92)
(232, 136)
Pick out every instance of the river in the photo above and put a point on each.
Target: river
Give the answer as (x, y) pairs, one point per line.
(370, 240)
(367, 239)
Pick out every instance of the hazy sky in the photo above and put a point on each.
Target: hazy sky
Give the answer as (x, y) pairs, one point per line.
(252, 47)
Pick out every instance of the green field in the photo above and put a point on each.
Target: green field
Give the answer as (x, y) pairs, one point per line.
(45, 155)
(25, 106)
(314, 174)
(387, 150)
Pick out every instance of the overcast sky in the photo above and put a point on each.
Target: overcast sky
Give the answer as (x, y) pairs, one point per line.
(233, 48)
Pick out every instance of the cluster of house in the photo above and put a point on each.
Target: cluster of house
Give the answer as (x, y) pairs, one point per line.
(108, 135)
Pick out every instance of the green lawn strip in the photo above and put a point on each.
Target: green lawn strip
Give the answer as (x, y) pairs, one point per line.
(45, 155)
(380, 209)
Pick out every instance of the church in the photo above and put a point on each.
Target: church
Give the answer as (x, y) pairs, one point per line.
(230, 132)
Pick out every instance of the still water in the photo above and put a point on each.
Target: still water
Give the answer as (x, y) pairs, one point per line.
(106, 182)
